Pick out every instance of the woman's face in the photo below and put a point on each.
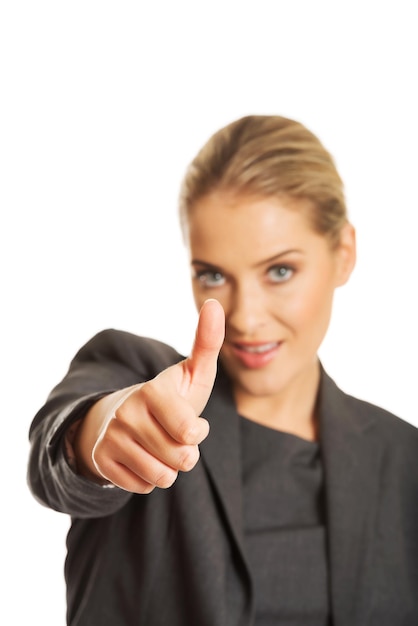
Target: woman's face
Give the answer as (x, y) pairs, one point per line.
(275, 278)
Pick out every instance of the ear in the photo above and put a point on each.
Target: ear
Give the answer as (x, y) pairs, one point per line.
(346, 254)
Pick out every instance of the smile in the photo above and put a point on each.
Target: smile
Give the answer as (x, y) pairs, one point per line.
(257, 348)
(255, 355)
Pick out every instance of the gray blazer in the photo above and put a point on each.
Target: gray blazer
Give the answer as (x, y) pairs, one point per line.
(176, 557)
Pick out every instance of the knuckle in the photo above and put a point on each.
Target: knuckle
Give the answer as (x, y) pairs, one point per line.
(148, 390)
(121, 417)
(109, 442)
(145, 489)
(110, 434)
(188, 458)
(186, 433)
(166, 478)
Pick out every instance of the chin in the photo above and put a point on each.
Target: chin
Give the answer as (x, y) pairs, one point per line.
(257, 383)
(270, 380)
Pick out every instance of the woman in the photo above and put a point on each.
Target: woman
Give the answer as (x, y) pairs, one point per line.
(303, 507)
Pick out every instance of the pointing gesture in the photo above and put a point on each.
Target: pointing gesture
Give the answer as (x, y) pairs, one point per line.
(141, 437)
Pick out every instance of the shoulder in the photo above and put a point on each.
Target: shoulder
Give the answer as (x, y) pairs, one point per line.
(366, 416)
(364, 432)
(398, 441)
(127, 349)
(387, 422)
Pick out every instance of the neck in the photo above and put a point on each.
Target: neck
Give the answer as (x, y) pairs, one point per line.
(291, 410)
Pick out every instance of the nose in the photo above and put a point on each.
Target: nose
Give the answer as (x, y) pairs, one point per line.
(247, 310)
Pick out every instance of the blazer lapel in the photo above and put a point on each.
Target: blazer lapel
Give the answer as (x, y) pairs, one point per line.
(221, 452)
(221, 455)
(352, 456)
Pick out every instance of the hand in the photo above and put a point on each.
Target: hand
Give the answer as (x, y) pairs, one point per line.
(140, 438)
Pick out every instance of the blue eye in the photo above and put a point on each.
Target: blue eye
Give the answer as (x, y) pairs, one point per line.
(210, 279)
(280, 273)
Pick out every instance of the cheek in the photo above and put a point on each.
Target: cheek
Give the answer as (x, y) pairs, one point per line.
(308, 305)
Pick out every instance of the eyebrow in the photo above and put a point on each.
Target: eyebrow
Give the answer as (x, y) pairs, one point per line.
(268, 261)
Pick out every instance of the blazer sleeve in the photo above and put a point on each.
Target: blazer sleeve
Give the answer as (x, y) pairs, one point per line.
(110, 361)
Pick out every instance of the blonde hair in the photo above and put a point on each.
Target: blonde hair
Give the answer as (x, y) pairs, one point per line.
(268, 156)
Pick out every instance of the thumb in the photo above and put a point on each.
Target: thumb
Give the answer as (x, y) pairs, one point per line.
(202, 363)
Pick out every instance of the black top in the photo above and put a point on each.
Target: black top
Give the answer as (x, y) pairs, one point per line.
(284, 527)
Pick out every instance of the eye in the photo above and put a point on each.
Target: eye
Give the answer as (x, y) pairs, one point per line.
(280, 273)
(208, 278)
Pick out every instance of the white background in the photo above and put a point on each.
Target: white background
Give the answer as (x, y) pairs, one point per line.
(103, 104)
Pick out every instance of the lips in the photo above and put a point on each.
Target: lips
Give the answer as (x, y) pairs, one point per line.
(257, 348)
(254, 355)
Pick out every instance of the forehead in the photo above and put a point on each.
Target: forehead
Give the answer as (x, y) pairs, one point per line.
(239, 226)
